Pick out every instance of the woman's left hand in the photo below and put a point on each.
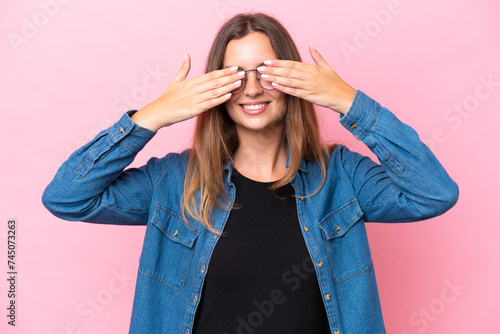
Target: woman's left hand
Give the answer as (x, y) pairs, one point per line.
(318, 84)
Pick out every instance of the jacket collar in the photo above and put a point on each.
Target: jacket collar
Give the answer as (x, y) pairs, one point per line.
(228, 165)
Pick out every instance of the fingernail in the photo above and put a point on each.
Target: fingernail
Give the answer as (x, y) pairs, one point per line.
(275, 84)
(241, 74)
(261, 69)
(185, 56)
(313, 47)
(234, 69)
(265, 76)
(268, 62)
(237, 83)
(227, 95)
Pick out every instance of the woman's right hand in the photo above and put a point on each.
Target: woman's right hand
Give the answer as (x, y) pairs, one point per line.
(184, 99)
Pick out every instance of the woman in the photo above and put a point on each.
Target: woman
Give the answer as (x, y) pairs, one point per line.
(259, 227)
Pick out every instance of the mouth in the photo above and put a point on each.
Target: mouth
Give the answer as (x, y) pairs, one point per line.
(254, 108)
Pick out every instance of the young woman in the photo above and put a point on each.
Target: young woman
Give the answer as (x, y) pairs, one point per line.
(259, 227)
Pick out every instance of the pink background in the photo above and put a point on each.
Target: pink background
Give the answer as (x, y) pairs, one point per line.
(70, 68)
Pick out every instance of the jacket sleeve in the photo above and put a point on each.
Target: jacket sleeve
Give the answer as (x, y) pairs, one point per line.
(92, 185)
(409, 184)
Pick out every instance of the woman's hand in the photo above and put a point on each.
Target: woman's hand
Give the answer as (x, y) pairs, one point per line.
(184, 99)
(319, 84)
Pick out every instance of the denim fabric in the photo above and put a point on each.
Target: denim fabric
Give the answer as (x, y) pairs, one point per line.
(409, 184)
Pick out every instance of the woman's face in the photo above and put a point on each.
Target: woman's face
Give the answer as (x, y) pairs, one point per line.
(254, 109)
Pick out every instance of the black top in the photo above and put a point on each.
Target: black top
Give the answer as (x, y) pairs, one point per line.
(261, 278)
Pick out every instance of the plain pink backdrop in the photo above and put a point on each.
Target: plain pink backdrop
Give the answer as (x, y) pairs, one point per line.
(70, 68)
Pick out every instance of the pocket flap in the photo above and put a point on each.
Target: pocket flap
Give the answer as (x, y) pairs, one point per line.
(173, 227)
(338, 222)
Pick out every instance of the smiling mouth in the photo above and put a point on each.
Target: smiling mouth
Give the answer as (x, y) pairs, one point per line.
(254, 106)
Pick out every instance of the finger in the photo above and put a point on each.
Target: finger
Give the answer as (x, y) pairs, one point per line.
(205, 105)
(284, 72)
(215, 75)
(288, 69)
(291, 64)
(215, 93)
(290, 90)
(218, 86)
(286, 81)
(183, 72)
(316, 56)
(224, 80)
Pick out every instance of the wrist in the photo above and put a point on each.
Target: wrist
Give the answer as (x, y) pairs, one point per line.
(145, 118)
(345, 101)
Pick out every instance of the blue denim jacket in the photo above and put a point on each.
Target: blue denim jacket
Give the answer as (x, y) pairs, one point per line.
(409, 185)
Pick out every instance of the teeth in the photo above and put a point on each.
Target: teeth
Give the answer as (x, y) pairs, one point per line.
(254, 106)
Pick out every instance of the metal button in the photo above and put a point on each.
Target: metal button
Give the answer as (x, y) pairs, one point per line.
(306, 228)
(328, 297)
(187, 331)
(195, 299)
(122, 130)
(354, 125)
(301, 198)
(337, 228)
(176, 233)
(320, 264)
(216, 235)
(336, 332)
(202, 269)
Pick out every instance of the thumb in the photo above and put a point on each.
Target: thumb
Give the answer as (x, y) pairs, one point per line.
(317, 57)
(183, 72)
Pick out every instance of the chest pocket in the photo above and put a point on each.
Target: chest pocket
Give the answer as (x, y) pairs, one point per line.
(168, 249)
(346, 241)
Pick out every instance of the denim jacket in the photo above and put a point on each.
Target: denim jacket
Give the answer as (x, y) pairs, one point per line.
(409, 184)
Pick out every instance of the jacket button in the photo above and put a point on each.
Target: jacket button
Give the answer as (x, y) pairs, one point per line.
(195, 299)
(187, 331)
(328, 297)
(320, 264)
(202, 269)
(176, 233)
(122, 130)
(301, 198)
(306, 228)
(336, 332)
(354, 125)
(337, 228)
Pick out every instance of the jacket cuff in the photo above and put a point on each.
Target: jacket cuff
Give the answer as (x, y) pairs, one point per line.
(361, 116)
(130, 134)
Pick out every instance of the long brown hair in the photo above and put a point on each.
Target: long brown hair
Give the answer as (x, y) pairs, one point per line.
(215, 138)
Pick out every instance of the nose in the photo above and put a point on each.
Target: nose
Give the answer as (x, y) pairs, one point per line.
(252, 87)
